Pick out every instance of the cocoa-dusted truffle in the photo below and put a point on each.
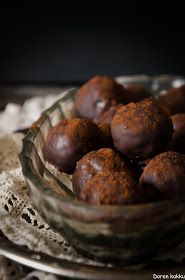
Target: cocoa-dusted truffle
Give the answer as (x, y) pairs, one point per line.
(139, 164)
(104, 122)
(135, 93)
(164, 177)
(112, 188)
(105, 128)
(69, 140)
(95, 162)
(174, 100)
(141, 130)
(96, 96)
(178, 140)
(108, 115)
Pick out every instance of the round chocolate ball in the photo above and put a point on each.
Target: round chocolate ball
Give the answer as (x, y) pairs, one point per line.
(138, 165)
(141, 130)
(105, 128)
(104, 122)
(174, 100)
(164, 177)
(69, 140)
(96, 96)
(112, 188)
(95, 162)
(178, 140)
(135, 93)
(108, 115)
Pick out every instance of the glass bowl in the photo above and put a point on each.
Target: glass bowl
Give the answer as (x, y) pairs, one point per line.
(126, 235)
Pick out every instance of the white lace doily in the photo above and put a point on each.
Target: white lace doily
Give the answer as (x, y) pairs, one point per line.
(21, 223)
(12, 271)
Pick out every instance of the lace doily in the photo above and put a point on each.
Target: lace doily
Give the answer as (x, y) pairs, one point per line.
(21, 223)
(12, 271)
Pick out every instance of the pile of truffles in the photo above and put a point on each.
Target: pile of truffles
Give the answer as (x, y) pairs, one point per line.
(124, 146)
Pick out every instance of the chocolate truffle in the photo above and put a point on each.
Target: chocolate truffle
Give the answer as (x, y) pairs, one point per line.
(96, 96)
(104, 122)
(174, 100)
(105, 128)
(141, 130)
(135, 93)
(108, 115)
(95, 162)
(164, 177)
(178, 140)
(112, 188)
(138, 165)
(69, 140)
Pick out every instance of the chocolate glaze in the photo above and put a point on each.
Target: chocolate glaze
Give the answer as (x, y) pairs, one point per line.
(95, 162)
(69, 140)
(104, 122)
(105, 128)
(108, 115)
(97, 95)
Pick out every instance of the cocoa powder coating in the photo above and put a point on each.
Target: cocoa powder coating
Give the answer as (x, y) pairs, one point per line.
(112, 188)
(164, 177)
(141, 130)
(94, 163)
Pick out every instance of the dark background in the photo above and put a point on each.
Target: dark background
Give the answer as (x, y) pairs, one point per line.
(72, 42)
